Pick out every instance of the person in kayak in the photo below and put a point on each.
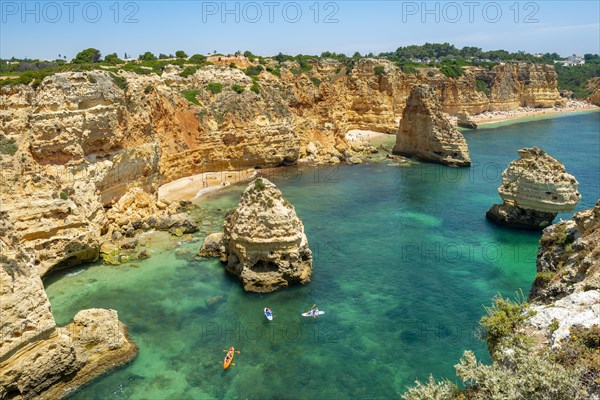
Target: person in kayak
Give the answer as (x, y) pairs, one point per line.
(268, 310)
(314, 311)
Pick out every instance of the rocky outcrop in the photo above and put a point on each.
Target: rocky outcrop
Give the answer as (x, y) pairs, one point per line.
(86, 139)
(214, 246)
(594, 87)
(37, 358)
(534, 188)
(427, 134)
(565, 297)
(465, 121)
(569, 257)
(263, 241)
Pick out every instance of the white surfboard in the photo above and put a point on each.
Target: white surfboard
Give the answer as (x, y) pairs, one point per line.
(311, 314)
(268, 314)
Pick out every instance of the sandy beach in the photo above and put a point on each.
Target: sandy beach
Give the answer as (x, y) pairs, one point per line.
(572, 106)
(358, 135)
(192, 187)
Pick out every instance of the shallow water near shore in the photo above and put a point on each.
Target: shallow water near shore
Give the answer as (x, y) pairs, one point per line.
(404, 260)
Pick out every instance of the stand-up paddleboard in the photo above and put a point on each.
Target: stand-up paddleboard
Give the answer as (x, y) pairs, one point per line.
(268, 314)
(228, 358)
(312, 313)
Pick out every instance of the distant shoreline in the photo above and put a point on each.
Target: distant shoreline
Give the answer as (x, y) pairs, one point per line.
(494, 117)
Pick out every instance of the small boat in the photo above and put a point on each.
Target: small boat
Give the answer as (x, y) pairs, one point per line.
(268, 314)
(228, 358)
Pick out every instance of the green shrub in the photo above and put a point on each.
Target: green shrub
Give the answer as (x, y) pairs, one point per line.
(90, 55)
(197, 59)
(214, 87)
(187, 72)
(316, 81)
(7, 146)
(63, 196)
(501, 320)
(180, 54)
(553, 326)
(237, 88)
(481, 86)
(147, 56)
(379, 70)
(582, 349)
(451, 71)
(274, 71)
(113, 59)
(190, 95)
(542, 279)
(259, 185)
(120, 81)
(409, 69)
(562, 237)
(432, 390)
(255, 87)
(253, 70)
(524, 375)
(148, 89)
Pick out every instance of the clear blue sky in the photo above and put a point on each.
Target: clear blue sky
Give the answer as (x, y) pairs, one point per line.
(43, 29)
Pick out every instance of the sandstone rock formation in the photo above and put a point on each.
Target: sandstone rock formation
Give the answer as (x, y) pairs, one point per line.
(465, 120)
(264, 241)
(569, 257)
(86, 139)
(38, 359)
(566, 293)
(524, 85)
(426, 133)
(534, 188)
(594, 86)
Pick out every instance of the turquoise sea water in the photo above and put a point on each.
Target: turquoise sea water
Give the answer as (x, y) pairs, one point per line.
(404, 260)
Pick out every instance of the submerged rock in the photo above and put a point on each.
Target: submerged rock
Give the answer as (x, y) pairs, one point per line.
(427, 134)
(534, 188)
(263, 241)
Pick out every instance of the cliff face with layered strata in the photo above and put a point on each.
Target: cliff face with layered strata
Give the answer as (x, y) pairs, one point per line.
(427, 134)
(263, 241)
(37, 358)
(85, 139)
(535, 188)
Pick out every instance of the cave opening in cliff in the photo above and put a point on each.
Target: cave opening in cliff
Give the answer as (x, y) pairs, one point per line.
(264, 266)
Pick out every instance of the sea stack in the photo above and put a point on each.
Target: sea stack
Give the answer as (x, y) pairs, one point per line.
(263, 241)
(534, 188)
(427, 134)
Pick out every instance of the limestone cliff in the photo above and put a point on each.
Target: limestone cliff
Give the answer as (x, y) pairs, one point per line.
(594, 86)
(427, 134)
(523, 85)
(264, 241)
(569, 257)
(38, 359)
(566, 295)
(85, 139)
(534, 188)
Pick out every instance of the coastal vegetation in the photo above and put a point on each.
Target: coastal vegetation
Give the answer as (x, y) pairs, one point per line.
(214, 87)
(519, 369)
(7, 146)
(190, 95)
(449, 59)
(237, 88)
